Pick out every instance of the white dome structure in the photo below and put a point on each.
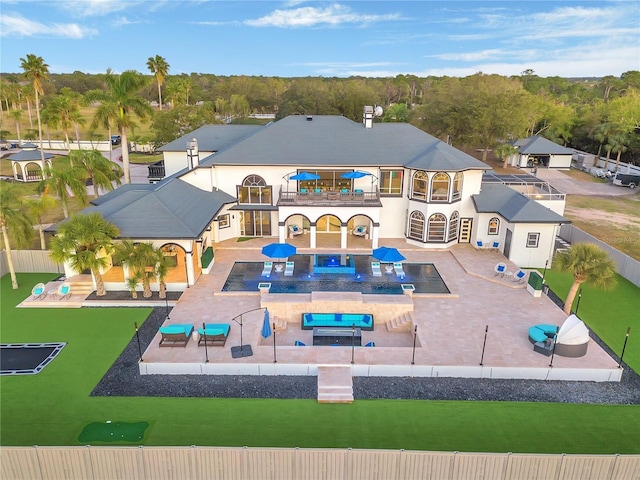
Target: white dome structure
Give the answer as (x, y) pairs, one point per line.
(573, 338)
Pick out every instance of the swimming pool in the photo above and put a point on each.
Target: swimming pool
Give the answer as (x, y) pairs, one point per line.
(245, 276)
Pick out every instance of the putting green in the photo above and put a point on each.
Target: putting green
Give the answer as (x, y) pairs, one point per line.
(113, 432)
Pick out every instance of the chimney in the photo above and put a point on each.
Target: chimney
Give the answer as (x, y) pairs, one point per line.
(367, 116)
(193, 157)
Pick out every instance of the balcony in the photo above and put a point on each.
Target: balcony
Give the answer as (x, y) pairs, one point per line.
(326, 198)
(156, 172)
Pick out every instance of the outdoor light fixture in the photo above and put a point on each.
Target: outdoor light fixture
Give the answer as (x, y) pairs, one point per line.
(415, 334)
(140, 348)
(555, 339)
(486, 331)
(353, 343)
(626, 338)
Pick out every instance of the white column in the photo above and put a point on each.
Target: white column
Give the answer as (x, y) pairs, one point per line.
(343, 237)
(190, 273)
(374, 237)
(312, 236)
(282, 233)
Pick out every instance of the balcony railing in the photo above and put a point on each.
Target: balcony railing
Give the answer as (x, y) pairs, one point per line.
(330, 198)
(156, 171)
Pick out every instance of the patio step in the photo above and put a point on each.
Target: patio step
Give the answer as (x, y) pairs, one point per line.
(81, 284)
(401, 323)
(335, 384)
(280, 324)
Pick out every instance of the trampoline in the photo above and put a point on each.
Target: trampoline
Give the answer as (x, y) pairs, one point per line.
(27, 358)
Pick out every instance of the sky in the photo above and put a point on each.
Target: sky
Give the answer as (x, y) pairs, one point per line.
(575, 38)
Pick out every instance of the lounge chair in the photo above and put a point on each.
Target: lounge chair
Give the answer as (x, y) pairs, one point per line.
(63, 292)
(298, 343)
(214, 334)
(397, 267)
(375, 268)
(360, 231)
(500, 269)
(288, 269)
(266, 269)
(177, 335)
(519, 276)
(295, 230)
(38, 291)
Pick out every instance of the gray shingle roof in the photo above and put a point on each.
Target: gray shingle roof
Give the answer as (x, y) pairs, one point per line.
(335, 141)
(212, 138)
(26, 155)
(513, 206)
(170, 209)
(538, 145)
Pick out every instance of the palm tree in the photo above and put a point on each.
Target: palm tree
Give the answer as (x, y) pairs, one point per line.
(64, 111)
(117, 106)
(15, 224)
(102, 171)
(16, 115)
(162, 269)
(398, 112)
(141, 259)
(85, 241)
(159, 67)
(504, 151)
(38, 207)
(60, 181)
(588, 263)
(37, 72)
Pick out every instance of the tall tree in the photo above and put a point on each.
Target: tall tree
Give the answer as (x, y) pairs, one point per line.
(588, 263)
(102, 171)
(85, 241)
(38, 207)
(159, 67)
(118, 106)
(14, 222)
(37, 72)
(504, 151)
(64, 112)
(60, 181)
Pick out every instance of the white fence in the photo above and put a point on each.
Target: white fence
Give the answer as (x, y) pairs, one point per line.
(29, 261)
(628, 267)
(131, 463)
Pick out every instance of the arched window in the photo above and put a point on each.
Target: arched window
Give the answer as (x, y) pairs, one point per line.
(454, 221)
(457, 186)
(494, 226)
(254, 190)
(416, 225)
(419, 185)
(437, 228)
(440, 187)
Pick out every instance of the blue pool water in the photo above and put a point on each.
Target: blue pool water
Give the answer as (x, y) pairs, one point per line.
(245, 276)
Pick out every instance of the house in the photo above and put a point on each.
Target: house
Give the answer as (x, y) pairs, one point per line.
(538, 151)
(327, 174)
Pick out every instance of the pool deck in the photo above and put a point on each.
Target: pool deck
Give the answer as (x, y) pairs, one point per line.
(449, 340)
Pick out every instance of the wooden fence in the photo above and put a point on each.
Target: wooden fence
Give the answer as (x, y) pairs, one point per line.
(131, 463)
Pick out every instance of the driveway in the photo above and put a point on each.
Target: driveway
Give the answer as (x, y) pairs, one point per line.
(566, 184)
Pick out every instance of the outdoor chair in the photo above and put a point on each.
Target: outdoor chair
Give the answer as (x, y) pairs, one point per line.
(38, 291)
(397, 267)
(317, 192)
(63, 292)
(495, 245)
(479, 244)
(375, 269)
(177, 335)
(214, 334)
(370, 344)
(288, 269)
(295, 230)
(344, 192)
(360, 231)
(500, 269)
(358, 192)
(298, 343)
(266, 269)
(303, 191)
(519, 276)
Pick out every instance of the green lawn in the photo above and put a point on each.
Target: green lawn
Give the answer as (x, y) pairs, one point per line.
(52, 408)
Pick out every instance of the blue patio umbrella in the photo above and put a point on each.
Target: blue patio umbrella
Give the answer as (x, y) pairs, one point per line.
(386, 254)
(266, 326)
(278, 250)
(305, 176)
(355, 174)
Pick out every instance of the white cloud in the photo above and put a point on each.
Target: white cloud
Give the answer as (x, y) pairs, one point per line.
(18, 26)
(95, 8)
(311, 16)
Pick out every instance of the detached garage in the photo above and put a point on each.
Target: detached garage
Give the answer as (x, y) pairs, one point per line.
(539, 152)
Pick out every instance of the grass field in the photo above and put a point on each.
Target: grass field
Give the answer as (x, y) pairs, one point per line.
(53, 407)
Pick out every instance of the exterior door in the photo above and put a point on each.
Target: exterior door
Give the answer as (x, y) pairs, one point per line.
(465, 230)
(507, 243)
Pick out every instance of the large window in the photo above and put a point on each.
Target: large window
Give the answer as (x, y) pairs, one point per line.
(457, 186)
(454, 221)
(437, 228)
(329, 180)
(391, 182)
(494, 226)
(440, 187)
(416, 226)
(254, 190)
(419, 186)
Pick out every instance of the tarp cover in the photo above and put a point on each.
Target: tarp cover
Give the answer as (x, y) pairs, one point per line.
(573, 332)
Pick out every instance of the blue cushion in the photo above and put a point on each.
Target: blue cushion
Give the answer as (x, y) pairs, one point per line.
(547, 328)
(537, 335)
(216, 329)
(177, 328)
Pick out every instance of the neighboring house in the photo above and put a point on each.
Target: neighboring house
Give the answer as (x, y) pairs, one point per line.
(393, 178)
(540, 152)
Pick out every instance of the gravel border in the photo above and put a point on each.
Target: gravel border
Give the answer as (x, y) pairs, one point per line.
(123, 380)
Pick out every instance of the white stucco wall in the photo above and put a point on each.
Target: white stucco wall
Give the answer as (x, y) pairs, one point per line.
(531, 257)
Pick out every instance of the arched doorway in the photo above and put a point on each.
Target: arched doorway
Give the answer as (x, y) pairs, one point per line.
(175, 257)
(328, 228)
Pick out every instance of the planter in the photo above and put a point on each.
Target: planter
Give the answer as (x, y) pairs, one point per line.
(534, 284)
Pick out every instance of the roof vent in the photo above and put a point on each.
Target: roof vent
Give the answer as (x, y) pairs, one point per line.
(309, 118)
(193, 156)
